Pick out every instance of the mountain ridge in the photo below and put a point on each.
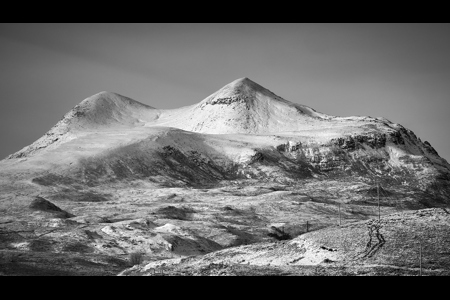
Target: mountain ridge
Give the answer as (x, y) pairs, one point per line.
(240, 107)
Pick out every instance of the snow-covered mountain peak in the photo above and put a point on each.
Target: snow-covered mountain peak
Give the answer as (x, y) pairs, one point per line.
(242, 87)
(241, 90)
(244, 106)
(108, 100)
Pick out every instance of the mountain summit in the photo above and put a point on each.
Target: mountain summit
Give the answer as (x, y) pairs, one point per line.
(241, 106)
(239, 90)
(244, 106)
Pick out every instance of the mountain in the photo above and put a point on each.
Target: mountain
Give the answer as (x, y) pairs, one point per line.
(242, 166)
(241, 131)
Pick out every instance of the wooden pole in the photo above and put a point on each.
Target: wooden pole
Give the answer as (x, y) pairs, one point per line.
(306, 226)
(339, 214)
(420, 259)
(378, 195)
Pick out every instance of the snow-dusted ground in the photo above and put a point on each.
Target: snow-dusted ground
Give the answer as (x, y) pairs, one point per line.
(263, 154)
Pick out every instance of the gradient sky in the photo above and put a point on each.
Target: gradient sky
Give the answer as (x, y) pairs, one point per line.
(397, 71)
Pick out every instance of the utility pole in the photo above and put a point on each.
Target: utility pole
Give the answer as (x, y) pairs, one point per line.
(420, 259)
(339, 214)
(378, 195)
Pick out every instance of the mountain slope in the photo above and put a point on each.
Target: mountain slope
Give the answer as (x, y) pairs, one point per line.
(102, 110)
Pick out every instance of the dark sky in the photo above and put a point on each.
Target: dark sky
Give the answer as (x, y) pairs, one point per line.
(397, 71)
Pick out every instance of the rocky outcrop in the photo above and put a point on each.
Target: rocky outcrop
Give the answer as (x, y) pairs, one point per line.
(373, 140)
(429, 148)
(370, 155)
(289, 146)
(397, 138)
(229, 100)
(43, 205)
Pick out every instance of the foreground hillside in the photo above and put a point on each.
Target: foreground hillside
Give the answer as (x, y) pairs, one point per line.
(410, 243)
(95, 232)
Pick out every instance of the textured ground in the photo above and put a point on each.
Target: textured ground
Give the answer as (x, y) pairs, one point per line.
(175, 223)
(408, 243)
